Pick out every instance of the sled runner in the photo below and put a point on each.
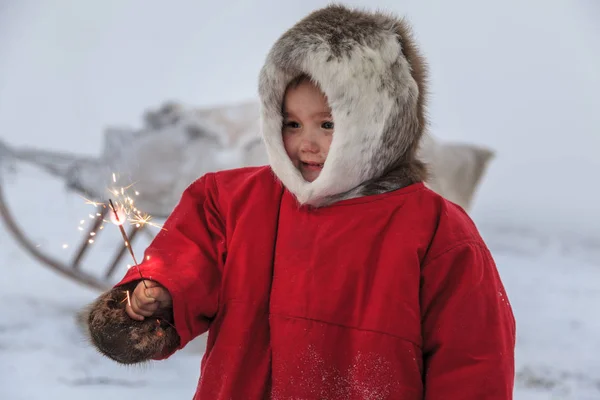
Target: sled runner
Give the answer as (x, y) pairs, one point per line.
(71, 267)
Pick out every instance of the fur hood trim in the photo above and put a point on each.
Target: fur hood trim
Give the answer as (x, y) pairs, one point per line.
(374, 78)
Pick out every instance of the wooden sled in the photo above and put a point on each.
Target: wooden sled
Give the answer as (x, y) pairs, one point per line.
(72, 268)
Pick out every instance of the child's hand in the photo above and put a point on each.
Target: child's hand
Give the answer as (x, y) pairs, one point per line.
(121, 332)
(147, 299)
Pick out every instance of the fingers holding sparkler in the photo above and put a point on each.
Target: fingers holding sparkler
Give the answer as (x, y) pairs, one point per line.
(146, 299)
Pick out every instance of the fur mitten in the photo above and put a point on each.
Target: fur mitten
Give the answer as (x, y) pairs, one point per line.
(123, 339)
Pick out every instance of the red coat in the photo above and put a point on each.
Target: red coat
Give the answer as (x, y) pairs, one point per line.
(391, 296)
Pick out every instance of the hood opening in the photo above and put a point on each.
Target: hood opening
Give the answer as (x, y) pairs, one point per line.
(368, 66)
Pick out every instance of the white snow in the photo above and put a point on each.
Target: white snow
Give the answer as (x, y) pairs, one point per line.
(520, 77)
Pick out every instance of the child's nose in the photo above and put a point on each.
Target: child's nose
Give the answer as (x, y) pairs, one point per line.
(309, 146)
(309, 143)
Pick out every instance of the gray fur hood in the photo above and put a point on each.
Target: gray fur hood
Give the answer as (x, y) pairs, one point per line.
(370, 69)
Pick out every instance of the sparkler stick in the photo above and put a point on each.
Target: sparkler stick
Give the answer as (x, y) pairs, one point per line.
(139, 220)
(126, 239)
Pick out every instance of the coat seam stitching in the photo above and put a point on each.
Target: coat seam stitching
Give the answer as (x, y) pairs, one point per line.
(347, 327)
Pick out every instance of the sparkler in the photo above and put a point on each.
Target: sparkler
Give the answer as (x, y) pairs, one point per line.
(122, 212)
(128, 245)
(126, 239)
(125, 211)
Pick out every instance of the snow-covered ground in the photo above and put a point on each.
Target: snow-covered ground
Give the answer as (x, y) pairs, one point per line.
(520, 77)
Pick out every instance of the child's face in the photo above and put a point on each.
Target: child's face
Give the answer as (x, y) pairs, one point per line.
(307, 128)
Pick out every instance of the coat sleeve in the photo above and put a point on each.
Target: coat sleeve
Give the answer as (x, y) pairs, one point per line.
(468, 327)
(186, 258)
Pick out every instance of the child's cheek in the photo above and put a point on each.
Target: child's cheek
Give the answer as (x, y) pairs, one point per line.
(288, 144)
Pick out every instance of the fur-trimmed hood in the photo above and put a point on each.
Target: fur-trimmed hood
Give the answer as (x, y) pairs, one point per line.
(374, 78)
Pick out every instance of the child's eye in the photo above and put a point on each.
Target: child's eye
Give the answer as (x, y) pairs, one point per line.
(327, 125)
(291, 124)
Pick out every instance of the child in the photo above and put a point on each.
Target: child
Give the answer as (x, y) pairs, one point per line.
(333, 273)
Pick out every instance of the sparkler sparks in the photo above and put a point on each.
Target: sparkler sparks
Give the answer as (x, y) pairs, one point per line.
(127, 209)
(92, 203)
(126, 239)
(123, 210)
(125, 205)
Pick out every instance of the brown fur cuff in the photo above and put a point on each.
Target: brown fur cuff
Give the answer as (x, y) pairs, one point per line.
(123, 339)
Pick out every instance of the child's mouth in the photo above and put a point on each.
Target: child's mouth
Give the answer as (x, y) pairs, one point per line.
(312, 166)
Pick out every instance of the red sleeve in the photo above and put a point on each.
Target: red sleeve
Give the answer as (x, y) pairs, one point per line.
(185, 257)
(468, 327)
